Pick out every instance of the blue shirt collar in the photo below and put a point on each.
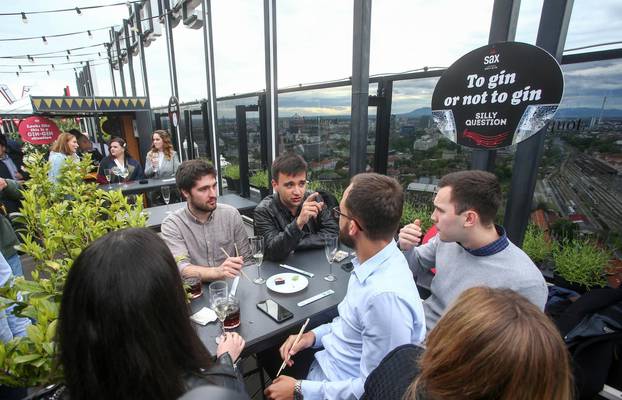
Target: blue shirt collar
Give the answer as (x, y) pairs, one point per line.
(363, 271)
(494, 247)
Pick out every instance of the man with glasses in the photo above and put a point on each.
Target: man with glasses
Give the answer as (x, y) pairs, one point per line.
(380, 310)
(469, 249)
(292, 218)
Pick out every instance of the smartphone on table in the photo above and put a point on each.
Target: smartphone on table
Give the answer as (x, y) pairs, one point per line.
(274, 310)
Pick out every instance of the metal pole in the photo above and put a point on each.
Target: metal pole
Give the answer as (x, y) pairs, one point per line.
(360, 86)
(130, 57)
(120, 62)
(502, 29)
(114, 86)
(141, 47)
(551, 37)
(211, 88)
(271, 103)
(170, 49)
(383, 125)
(240, 123)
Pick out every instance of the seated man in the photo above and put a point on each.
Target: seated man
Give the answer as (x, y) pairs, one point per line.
(9, 167)
(205, 237)
(292, 218)
(469, 249)
(378, 313)
(86, 147)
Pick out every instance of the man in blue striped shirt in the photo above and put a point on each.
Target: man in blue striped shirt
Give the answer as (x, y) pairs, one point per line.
(381, 309)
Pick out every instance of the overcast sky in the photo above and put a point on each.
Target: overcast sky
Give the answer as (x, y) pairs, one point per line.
(314, 45)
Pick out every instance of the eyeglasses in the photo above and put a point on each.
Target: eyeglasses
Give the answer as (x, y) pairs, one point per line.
(336, 213)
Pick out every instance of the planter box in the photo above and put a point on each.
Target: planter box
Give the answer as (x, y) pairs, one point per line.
(233, 184)
(263, 192)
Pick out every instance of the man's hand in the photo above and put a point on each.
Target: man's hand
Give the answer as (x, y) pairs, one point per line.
(3, 184)
(282, 388)
(410, 235)
(310, 209)
(230, 268)
(306, 341)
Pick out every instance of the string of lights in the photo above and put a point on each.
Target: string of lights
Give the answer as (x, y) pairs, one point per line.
(20, 66)
(68, 51)
(45, 37)
(77, 10)
(48, 71)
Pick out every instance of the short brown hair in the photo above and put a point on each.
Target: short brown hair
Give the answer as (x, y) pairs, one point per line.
(61, 144)
(376, 202)
(476, 190)
(189, 172)
(288, 164)
(494, 344)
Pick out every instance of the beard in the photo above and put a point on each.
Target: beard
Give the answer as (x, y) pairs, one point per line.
(346, 239)
(204, 207)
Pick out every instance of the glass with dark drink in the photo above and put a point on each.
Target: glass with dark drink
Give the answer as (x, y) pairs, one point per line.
(193, 284)
(233, 313)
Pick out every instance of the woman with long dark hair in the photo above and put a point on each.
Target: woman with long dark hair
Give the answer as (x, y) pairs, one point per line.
(118, 160)
(124, 330)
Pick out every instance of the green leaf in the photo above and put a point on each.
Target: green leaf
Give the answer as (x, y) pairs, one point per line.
(26, 358)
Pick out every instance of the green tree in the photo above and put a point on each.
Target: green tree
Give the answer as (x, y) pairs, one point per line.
(60, 220)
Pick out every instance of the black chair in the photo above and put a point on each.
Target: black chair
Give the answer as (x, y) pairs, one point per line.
(394, 374)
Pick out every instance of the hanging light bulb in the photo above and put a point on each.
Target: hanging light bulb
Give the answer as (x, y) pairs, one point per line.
(90, 35)
(24, 18)
(53, 67)
(67, 58)
(78, 11)
(45, 41)
(99, 54)
(68, 52)
(32, 60)
(20, 67)
(17, 72)
(48, 72)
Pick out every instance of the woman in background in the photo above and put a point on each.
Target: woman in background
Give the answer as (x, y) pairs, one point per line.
(64, 148)
(118, 160)
(123, 328)
(161, 161)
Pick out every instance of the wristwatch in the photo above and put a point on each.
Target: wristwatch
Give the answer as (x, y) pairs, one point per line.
(298, 391)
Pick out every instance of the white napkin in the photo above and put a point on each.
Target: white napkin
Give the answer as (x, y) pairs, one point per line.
(204, 316)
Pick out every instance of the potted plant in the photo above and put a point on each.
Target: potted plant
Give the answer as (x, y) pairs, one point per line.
(232, 175)
(261, 182)
(580, 265)
(411, 212)
(538, 247)
(60, 220)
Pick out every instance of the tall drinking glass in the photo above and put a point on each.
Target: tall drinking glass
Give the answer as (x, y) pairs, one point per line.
(257, 249)
(108, 175)
(331, 245)
(218, 295)
(166, 196)
(124, 173)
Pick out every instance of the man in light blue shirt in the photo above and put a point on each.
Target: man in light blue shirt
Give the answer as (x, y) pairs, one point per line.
(379, 312)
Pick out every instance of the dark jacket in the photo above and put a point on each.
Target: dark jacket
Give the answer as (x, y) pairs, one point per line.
(277, 225)
(136, 171)
(220, 374)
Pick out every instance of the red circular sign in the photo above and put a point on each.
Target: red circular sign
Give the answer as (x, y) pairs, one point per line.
(38, 130)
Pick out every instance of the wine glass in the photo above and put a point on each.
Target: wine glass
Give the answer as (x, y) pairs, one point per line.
(331, 245)
(108, 175)
(166, 196)
(116, 171)
(257, 248)
(219, 296)
(124, 173)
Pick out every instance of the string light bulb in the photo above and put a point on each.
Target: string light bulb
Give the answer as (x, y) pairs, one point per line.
(32, 60)
(20, 67)
(45, 41)
(53, 67)
(48, 72)
(78, 11)
(68, 52)
(67, 58)
(17, 72)
(90, 35)
(24, 18)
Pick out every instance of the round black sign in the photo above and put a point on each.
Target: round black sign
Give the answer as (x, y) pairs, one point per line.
(497, 95)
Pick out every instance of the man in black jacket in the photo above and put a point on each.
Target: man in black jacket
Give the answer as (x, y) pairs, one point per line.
(292, 218)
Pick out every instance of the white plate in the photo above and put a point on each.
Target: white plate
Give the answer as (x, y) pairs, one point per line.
(291, 285)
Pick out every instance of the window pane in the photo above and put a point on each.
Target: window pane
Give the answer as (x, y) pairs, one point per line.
(594, 23)
(418, 154)
(314, 40)
(579, 179)
(316, 125)
(411, 34)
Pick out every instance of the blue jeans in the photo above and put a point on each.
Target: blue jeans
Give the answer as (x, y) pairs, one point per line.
(16, 265)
